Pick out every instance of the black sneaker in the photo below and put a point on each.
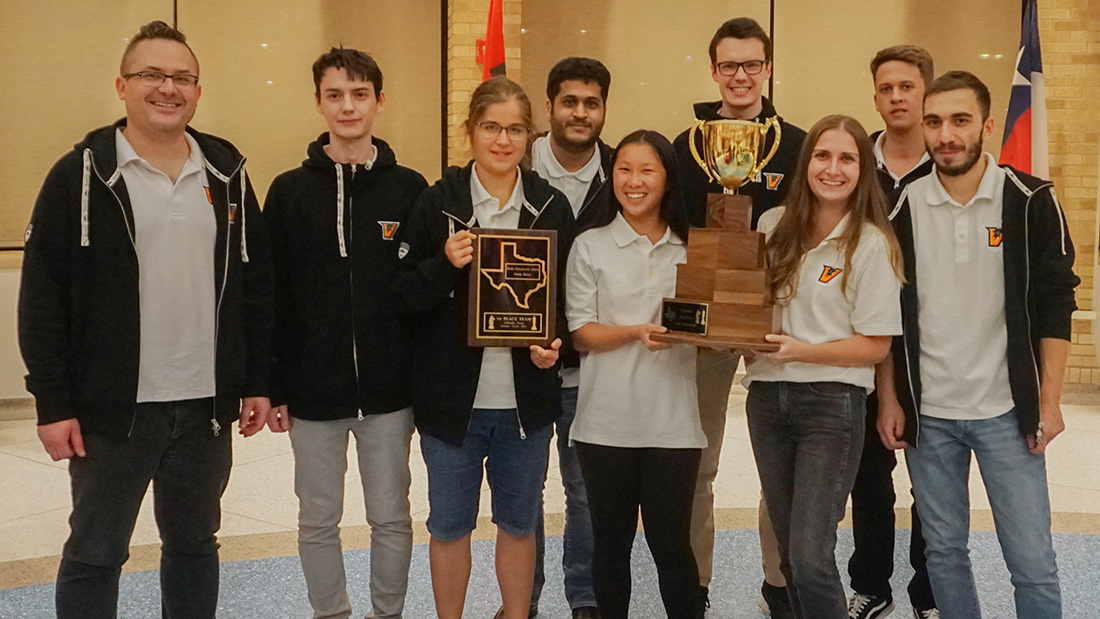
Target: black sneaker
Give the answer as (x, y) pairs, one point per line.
(870, 606)
(775, 602)
(928, 613)
(531, 612)
(586, 612)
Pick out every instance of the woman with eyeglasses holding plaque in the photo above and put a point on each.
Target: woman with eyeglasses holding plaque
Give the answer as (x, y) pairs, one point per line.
(837, 269)
(637, 430)
(481, 410)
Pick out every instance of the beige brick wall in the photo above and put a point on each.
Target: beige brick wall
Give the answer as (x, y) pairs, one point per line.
(1070, 34)
(466, 24)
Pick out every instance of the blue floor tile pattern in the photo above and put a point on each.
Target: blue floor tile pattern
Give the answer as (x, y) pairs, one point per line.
(274, 589)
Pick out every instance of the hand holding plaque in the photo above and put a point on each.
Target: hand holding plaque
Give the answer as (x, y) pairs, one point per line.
(723, 291)
(513, 288)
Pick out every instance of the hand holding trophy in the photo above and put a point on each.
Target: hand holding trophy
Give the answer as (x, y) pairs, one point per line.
(723, 292)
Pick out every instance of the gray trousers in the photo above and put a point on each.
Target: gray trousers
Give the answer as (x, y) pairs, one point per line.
(320, 463)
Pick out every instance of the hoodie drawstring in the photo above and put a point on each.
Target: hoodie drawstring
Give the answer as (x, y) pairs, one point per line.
(340, 210)
(244, 216)
(85, 187)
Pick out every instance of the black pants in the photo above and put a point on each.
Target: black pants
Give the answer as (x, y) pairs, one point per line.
(661, 482)
(872, 563)
(171, 444)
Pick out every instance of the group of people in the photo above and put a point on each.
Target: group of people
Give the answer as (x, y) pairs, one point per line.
(339, 309)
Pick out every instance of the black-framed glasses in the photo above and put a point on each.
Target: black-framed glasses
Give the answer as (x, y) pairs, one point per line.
(493, 129)
(751, 67)
(156, 78)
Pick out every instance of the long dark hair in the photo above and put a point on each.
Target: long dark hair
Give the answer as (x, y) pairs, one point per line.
(790, 241)
(670, 211)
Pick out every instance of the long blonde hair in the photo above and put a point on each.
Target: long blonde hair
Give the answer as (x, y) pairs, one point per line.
(790, 241)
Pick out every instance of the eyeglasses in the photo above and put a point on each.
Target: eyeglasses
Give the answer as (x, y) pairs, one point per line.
(156, 78)
(493, 130)
(751, 67)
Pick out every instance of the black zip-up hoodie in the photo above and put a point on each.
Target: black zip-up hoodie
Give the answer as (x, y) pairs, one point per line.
(342, 346)
(893, 187)
(1039, 299)
(446, 371)
(596, 199)
(78, 303)
(775, 178)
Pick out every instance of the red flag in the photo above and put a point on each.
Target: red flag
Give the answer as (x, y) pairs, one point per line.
(490, 50)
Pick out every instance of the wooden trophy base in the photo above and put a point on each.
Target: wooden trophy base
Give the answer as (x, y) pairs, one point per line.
(723, 292)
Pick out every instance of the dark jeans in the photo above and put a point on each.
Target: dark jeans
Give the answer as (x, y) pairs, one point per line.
(576, 540)
(662, 483)
(807, 439)
(172, 445)
(872, 563)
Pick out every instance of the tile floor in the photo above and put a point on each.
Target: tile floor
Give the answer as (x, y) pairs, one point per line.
(260, 507)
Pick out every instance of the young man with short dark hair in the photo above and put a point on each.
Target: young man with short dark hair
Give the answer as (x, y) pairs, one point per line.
(740, 64)
(986, 313)
(900, 74)
(342, 346)
(574, 160)
(145, 317)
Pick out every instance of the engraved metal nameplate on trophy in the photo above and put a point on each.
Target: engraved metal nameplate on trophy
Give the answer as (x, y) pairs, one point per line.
(723, 292)
(513, 288)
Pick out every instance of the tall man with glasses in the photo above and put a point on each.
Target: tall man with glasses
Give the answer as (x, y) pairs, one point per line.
(145, 319)
(740, 63)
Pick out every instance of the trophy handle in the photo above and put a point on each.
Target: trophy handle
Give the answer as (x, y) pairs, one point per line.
(695, 152)
(772, 123)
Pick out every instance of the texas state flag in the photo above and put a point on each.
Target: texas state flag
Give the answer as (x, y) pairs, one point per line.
(1025, 145)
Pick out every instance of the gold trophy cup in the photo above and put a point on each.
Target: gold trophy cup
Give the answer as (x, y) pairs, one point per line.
(723, 292)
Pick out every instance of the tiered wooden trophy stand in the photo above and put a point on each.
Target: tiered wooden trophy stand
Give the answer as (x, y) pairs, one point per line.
(723, 292)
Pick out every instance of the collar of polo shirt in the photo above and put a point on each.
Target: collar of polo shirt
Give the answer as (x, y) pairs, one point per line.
(937, 195)
(624, 234)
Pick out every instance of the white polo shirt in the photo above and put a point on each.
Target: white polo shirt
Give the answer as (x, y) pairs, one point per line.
(882, 160)
(821, 311)
(496, 387)
(630, 396)
(174, 234)
(961, 294)
(575, 187)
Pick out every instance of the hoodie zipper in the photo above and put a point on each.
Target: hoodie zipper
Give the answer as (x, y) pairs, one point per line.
(351, 283)
(594, 193)
(215, 426)
(133, 243)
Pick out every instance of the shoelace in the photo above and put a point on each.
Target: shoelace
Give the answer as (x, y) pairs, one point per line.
(857, 604)
(931, 613)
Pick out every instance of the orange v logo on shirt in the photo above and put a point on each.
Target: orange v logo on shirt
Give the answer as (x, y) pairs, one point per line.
(828, 273)
(209, 196)
(995, 237)
(389, 228)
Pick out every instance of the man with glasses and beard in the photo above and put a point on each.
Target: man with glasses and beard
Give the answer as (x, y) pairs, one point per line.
(740, 64)
(574, 159)
(986, 314)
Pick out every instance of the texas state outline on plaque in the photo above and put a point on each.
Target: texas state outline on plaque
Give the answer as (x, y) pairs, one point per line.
(508, 255)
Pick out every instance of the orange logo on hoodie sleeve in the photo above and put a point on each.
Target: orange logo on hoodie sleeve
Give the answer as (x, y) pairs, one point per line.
(828, 273)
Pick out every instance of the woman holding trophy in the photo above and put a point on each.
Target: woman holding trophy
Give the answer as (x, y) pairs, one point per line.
(637, 429)
(481, 410)
(836, 267)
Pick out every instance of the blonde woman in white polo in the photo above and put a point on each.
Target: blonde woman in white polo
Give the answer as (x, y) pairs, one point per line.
(837, 269)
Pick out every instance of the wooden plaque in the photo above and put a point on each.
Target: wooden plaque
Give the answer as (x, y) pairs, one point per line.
(513, 288)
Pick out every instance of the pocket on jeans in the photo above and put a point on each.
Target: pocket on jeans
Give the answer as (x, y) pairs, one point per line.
(829, 389)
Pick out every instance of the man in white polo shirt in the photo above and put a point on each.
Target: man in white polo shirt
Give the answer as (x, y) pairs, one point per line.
(986, 317)
(145, 317)
(573, 159)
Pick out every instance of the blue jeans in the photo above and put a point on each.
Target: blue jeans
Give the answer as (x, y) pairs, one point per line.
(807, 439)
(515, 468)
(1016, 483)
(576, 560)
